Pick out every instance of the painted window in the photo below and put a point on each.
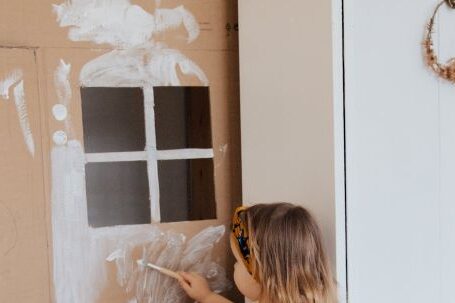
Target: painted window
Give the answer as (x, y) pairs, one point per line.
(148, 163)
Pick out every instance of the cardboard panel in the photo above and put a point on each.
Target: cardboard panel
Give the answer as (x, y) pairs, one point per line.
(34, 23)
(220, 68)
(38, 192)
(24, 267)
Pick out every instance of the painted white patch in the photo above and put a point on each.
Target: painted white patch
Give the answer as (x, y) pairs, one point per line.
(21, 108)
(60, 137)
(80, 251)
(74, 258)
(60, 112)
(173, 154)
(11, 79)
(141, 66)
(169, 18)
(150, 148)
(62, 83)
(64, 94)
(119, 23)
(116, 157)
(223, 148)
(170, 250)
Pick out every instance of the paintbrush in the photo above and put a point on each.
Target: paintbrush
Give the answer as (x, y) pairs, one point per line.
(162, 270)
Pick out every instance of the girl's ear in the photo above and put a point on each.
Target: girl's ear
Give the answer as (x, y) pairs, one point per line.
(244, 281)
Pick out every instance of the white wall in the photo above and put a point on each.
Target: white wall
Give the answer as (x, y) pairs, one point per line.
(400, 141)
(288, 149)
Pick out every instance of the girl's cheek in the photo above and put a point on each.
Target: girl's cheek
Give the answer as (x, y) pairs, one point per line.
(245, 283)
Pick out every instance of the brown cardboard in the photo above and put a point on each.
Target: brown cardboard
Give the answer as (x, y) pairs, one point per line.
(33, 23)
(24, 272)
(26, 188)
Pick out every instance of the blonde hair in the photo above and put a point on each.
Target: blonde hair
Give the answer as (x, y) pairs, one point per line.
(290, 262)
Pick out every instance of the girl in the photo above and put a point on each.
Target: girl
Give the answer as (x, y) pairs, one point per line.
(280, 258)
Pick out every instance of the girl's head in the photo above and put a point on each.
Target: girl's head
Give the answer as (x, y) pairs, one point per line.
(280, 255)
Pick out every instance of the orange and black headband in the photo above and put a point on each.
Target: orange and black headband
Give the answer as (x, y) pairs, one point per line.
(242, 237)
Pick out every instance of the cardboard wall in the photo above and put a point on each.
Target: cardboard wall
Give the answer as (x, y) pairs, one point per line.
(32, 40)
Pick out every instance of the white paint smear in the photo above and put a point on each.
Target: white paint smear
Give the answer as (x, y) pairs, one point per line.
(170, 154)
(64, 94)
(21, 108)
(187, 153)
(223, 148)
(144, 66)
(79, 251)
(60, 137)
(10, 80)
(150, 148)
(60, 112)
(170, 250)
(116, 157)
(120, 23)
(62, 83)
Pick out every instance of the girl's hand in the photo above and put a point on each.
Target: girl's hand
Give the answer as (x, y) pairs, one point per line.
(195, 286)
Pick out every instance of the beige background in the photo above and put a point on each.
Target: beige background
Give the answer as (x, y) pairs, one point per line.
(287, 108)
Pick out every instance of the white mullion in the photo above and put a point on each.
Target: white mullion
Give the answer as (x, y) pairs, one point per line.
(152, 162)
(116, 157)
(184, 154)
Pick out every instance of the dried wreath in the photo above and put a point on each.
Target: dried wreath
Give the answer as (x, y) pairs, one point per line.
(445, 71)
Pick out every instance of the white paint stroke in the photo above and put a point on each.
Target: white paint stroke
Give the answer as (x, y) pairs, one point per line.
(21, 108)
(120, 23)
(60, 112)
(223, 148)
(59, 137)
(77, 277)
(11, 79)
(150, 148)
(79, 251)
(187, 153)
(116, 157)
(170, 154)
(62, 83)
(64, 94)
(141, 66)
(170, 250)
(171, 18)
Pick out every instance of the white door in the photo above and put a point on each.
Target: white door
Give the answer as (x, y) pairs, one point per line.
(400, 155)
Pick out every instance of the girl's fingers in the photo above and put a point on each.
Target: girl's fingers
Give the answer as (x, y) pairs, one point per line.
(180, 279)
(186, 277)
(185, 285)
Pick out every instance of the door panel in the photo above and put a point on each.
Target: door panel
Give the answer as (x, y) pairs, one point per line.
(24, 273)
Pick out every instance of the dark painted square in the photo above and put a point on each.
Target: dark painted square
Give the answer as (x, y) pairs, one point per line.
(182, 117)
(117, 193)
(187, 190)
(113, 119)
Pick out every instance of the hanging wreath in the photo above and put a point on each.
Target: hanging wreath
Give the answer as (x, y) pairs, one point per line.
(445, 71)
